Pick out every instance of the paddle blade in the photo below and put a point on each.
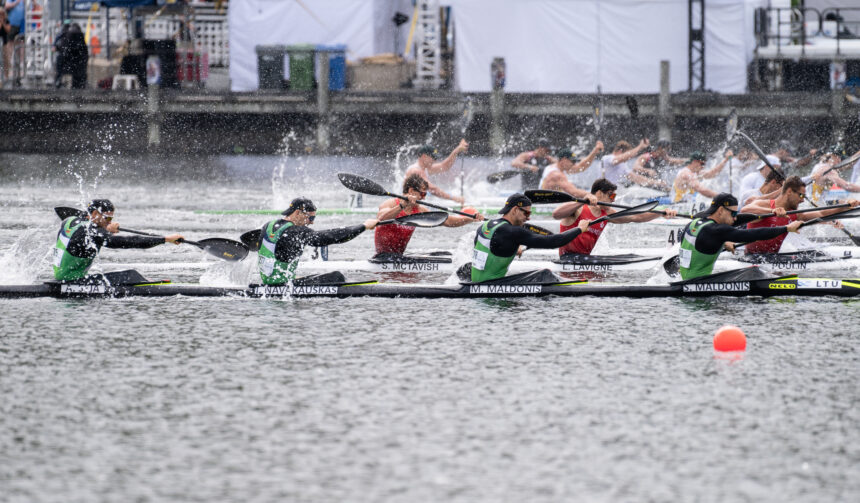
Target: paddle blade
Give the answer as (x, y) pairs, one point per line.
(537, 229)
(761, 155)
(502, 176)
(731, 125)
(633, 210)
(633, 106)
(362, 184)
(225, 249)
(549, 197)
(252, 239)
(426, 219)
(65, 212)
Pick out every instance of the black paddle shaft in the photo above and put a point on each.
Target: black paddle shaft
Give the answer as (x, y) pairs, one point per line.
(369, 187)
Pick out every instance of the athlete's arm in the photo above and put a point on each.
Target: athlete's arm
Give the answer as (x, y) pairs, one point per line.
(557, 181)
(298, 236)
(712, 237)
(508, 238)
(445, 165)
(823, 213)
(719, 167)
(117, 241)
(566, 210)
(521, 162)
(436, 191)
(460, 220)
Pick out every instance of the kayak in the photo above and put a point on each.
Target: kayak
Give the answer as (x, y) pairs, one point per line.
(750, 282)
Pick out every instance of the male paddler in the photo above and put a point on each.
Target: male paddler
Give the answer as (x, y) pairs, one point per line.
(498, 241)
(283, 240)
(426, 165)
(392, 239)
(81, 237)
(570, 214)
(792, 194)
(555, 175)
(687, 180)
(712, 230)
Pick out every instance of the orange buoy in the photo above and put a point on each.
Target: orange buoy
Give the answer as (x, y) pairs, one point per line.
(470, 210)
(730, 338)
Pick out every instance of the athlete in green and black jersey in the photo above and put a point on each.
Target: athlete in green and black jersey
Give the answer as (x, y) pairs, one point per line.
(81, 238)
(711, 231)
(283, 240)
(498, 241)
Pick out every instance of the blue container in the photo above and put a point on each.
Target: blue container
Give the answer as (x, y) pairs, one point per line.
(336, 55)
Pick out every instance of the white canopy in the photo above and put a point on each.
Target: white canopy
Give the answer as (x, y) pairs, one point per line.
(549, 46)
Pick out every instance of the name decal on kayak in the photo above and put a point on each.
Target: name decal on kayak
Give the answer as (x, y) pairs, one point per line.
(820, 284)
(282, 290)
(788, 265)
(733, 286)
(407, 266)
(505, 289)
(86, 289)
(587, 267)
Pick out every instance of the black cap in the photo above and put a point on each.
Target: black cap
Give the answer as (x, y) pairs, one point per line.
(697, 156)
(543, 142)
(565, 153)
(100, 205)
(517, 199)
(427, 149)
(723, 199)
(299, 203)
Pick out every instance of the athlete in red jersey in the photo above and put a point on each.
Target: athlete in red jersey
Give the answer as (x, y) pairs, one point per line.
(394, 238)
(602, 191)
(792, 194)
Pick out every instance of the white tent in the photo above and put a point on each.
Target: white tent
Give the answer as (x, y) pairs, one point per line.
(549, 46)
(364, 26)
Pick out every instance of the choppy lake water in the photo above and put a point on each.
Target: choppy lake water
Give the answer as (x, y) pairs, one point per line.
(552, 399)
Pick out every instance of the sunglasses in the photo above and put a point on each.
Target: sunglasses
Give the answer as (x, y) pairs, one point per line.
(310, 217)
(734, 213)
(611, 196)
(527, 213)
(423, 193)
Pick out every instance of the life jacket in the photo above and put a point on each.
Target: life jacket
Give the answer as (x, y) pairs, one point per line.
(486, 265)
(694, 263)
(272, 270)
(68, 267)
(769, 245)
(585, 242)
(394, 238)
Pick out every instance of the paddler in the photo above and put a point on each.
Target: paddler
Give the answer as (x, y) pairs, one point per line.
(555, 175)
(426, 166)
(792, 194)
(498, 241)
(283, 240)
(392, 239)
(81, 238)
(824, 178)
(570, 214)
(687, 180)
(712, 230)
(533, 162)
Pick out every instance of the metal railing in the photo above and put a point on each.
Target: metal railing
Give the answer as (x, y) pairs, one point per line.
(796, 25)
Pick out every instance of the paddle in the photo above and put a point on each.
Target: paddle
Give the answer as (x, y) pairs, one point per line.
(425, 220)
(502, 176)
(465, 120)
(836, 216)
(847, 162)
(369, 187)
(226, 249)
(758, 151)
(554, 197)
(731, 129)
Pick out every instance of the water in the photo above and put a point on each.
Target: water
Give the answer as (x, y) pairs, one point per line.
(393, 400)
